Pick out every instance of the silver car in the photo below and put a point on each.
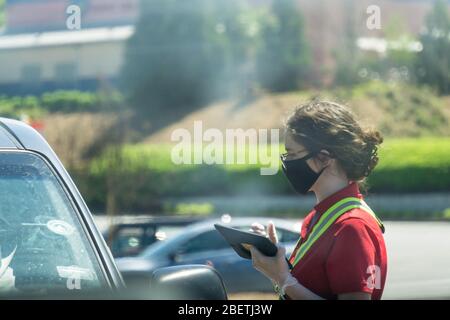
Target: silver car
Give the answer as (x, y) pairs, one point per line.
(49, 245)
(200, 243)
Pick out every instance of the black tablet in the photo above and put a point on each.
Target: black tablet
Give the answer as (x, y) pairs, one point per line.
(236, 237)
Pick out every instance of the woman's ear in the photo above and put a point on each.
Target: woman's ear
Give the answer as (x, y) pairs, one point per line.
(324, 156)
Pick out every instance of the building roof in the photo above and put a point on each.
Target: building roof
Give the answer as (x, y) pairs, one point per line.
(69, 37)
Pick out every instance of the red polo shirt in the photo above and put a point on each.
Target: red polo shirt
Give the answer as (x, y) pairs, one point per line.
(349, 257)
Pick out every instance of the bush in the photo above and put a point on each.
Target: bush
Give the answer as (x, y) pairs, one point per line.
(147, 174)
(399, 110)
(413, 165)
(62, 101)
(16, 107)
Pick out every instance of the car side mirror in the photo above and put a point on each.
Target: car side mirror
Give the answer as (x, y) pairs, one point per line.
(188, 282)
(185, 282)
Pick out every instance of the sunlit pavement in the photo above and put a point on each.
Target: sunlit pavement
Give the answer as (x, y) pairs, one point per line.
(418, 260)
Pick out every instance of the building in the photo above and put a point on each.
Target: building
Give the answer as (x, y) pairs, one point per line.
(39, 53)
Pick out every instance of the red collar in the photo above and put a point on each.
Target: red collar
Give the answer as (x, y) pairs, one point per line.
(352, 190)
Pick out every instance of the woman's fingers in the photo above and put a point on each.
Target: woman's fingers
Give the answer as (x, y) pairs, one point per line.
(272, 232)
(258, 228)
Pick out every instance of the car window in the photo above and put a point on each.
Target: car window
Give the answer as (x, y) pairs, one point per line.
(287, 235)
(167, 232)
(129, 241)
(42, 244)
(132, 240)
(210, 240)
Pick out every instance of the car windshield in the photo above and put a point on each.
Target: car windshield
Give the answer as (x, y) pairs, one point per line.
(42, 245)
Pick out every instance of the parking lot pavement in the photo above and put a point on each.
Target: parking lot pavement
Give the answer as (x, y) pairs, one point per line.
(418, 260)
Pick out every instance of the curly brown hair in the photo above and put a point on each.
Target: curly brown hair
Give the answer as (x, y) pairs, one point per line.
(327, 125)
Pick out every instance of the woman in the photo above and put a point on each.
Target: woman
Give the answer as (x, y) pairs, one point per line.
(341, 252)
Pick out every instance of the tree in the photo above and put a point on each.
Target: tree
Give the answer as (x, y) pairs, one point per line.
(433, 63)
(283, 57)
(177, 55)
(2, 13)
(346, 73)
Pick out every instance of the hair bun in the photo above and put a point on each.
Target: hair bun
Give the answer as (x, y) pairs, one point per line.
(372, 139)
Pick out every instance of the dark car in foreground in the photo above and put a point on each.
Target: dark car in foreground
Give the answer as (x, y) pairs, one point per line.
(200, 243)
(49, 244)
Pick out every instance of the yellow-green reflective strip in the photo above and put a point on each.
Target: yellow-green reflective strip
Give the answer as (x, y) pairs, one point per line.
(325, 221)
(304, 248)
(323, 218)
(366, 208)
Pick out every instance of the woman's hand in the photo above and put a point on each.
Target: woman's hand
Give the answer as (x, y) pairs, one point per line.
(275, 268)
(271, 231)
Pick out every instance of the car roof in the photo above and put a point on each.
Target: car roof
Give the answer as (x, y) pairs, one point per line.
(7, 138)
(16, 134)
(207, 225)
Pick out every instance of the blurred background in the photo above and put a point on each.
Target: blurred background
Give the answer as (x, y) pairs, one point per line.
(108, 92)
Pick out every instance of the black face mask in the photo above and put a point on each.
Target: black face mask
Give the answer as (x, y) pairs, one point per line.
(299, 174)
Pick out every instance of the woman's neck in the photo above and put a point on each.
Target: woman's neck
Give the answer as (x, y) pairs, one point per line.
(330, 186)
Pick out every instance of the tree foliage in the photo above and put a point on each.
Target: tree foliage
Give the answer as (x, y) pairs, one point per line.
(433, 63)
(186, 53)
(283, 58)
(178, 54)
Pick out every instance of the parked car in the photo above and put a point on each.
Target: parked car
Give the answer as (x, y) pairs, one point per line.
(130, 236)
(49, 244)
(200, 243)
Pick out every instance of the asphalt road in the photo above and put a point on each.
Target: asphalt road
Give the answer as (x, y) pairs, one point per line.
(418, 260)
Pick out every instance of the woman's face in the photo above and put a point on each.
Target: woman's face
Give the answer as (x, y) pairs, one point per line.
(296, 150)
(322, 161)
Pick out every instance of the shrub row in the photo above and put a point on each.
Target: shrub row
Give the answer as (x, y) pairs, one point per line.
(64, 101)
(145, 174)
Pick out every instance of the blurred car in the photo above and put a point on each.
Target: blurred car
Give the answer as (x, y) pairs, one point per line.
(49, 244)
(201, 243)
(132, 235)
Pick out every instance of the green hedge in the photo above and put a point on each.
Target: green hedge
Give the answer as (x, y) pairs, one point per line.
(413, 165)
(145, 174)
(65, 101)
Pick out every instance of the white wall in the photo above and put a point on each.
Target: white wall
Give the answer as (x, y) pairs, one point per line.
(92, 60)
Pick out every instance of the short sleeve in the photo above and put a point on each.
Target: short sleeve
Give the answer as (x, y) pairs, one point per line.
(350, 258)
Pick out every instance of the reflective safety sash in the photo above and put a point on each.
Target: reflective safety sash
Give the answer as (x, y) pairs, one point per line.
(328, 218)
